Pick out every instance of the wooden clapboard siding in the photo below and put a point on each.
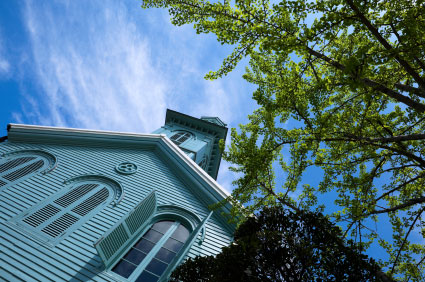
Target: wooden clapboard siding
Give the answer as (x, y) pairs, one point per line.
(74, 258)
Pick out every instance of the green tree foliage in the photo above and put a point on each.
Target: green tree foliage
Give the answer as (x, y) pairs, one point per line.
(341, 88)
(280, 245)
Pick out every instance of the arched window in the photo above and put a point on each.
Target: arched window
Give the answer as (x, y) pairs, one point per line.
(180, 137)
(152, 254)
(153, 239)
(53, 219)
(19, 165)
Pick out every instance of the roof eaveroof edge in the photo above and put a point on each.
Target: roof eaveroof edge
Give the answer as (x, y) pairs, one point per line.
(105, 134)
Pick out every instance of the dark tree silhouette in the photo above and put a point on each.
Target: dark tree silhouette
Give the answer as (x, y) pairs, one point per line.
(280, 245)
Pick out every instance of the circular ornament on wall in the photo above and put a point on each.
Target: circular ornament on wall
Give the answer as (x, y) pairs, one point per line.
(126, 168)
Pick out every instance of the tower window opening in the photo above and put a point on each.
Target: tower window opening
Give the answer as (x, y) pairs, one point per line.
(203, 163)
(180, 137)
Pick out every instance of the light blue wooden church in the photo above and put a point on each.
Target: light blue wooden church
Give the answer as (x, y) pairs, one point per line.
(86, 205)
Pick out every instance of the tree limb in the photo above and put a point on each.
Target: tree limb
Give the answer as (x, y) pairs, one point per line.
(368, 82)
(385, 43)
(399, 186)
(405, 205)
(405, 239)
(420, 63)
(410, 89)
(400, 138)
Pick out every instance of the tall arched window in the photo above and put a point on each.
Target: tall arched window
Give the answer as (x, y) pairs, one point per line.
(150, 241)
(180, 137)
(20, 165)
(55, 218)
(152, 254)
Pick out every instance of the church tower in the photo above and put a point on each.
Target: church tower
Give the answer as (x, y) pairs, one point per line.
(198, 138)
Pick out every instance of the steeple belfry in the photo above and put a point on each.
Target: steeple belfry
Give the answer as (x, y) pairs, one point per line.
(198, 138)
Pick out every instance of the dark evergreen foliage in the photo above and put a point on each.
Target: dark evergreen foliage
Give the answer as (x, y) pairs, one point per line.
(279, 245)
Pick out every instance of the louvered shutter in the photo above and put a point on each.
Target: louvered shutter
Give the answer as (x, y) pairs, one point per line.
(15, 169)
(58, 216)
(121, 235)
(14, 163)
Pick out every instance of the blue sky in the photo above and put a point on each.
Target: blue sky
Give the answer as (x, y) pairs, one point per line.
(110, 65)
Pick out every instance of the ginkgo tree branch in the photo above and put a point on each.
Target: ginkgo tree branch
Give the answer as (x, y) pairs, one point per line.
(369, 82)
(371, 141)
(395, 32)
(400, 138)
(398, 187)
(407, 204)
(405, 239)
(384, 42)
(410, 89)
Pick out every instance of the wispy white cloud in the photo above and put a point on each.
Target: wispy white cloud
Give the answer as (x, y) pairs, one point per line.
(94, 69)
(4, 66)
(105, 65)
(4, 62)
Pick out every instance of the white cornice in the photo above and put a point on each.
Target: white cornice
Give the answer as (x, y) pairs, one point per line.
(82, 133)
(53, 129)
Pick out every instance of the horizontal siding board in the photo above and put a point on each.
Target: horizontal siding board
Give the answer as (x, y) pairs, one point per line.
(84, 235)
(79, 258)
(80, 245)
(27, 265)
(40, 269)
(12, 274)
(8, 209)
(99, 224)
(12, 202)
(24, 193)
(212, 239)
(75, 256)
(91, 229)
(77, 251)
(215, 231)
(56, 266)
(3, 216)
(63, 268)
(23, 201)
(7, 276)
